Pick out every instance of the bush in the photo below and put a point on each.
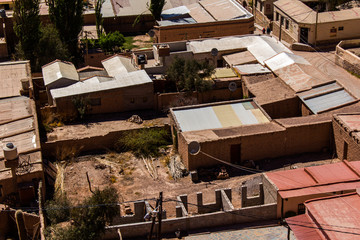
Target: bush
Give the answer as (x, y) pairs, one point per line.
(57, 210)
(111, 42)
(145, 142)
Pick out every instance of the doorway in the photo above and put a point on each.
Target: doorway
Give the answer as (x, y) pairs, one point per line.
(304, 35)
(345, 152)
(235, 152)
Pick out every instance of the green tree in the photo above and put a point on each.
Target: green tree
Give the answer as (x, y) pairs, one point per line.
(27, 28)
(98, 17)
(67, 16)
(156, 7)
(190, 75)
(111, 42)
(50, 47)
(90, 218)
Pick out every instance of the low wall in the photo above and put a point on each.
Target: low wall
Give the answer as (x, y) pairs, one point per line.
(347, 59)
(86, 144)
(208, 220)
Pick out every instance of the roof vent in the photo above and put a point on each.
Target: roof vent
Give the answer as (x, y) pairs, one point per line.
(10, 152)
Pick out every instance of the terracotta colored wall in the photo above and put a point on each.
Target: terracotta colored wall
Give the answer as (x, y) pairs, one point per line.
(205, 30)
(341, 136)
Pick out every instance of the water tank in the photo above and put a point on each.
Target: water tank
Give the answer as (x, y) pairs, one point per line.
(10, 152)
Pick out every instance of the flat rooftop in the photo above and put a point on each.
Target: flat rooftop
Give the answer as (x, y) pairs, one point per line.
(10, 78)
(217, 116)
(351, 122)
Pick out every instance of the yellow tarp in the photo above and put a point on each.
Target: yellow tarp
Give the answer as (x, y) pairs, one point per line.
(227, 116)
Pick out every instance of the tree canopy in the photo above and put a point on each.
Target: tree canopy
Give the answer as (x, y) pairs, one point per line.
(190, 75)
(27, 28)
(156, 7)
(67, 16)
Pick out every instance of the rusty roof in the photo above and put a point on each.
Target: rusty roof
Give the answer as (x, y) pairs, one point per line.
(335, 217)
(316, 179)
(11, 75)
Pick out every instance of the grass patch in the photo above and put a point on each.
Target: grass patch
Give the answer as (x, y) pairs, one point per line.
(129, 43)
(354, 74)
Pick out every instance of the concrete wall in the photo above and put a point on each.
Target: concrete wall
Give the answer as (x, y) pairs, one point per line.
(204, 30)
(270, 192)
(208, 220)
(347, 59)
(344, 136)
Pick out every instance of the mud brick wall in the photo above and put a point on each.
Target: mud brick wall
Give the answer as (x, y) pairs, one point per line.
(343, 136)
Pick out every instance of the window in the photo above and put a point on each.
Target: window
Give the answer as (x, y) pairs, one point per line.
(341, 28)
(1, 191)
(287, 24)
(277, 16)
(267, 7)
(333, 30)
(95, 101)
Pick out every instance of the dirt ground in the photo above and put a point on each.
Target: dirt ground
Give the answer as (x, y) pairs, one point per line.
(133, 182)
(142, 41)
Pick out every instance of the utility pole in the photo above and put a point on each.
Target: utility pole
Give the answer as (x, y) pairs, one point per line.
(316, 23)
(153, 220)
(160, 215)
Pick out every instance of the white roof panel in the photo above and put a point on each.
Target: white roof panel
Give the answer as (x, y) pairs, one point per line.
(285, 59)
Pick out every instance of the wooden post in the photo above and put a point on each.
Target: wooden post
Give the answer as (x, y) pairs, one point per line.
(160, 215)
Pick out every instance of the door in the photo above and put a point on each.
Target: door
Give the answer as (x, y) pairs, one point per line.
(235, 152)
(304, 35)
(345, 153)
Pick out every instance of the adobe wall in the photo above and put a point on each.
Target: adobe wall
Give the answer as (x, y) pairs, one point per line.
(208, 220)
(86, 144)
(261, 19)
(285, 34)
(125, 24)
(138, 97)
(347, 59)
(270, 192)
(283, 109)
(204, 30)
(343, 135)
(294, 138)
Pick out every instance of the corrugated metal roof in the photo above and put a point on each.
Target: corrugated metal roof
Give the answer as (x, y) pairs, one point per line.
(240, 58)
(98, 83)
(57, 70)
(175, 12)
(303, 227)
(223, 10)
(325, 97)
(118, 65)
(219, 116)
(336, 216)
(251, 69)
(10, 77)
(261, 47)
(318, 179)
(187, 20)
(199, 14)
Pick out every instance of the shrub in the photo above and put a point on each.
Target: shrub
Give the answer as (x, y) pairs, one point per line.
(57, 210)
(145, 142)
(111, 42)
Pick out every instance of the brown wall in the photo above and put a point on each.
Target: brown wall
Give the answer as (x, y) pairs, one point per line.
(118, 100)
(347, 59)
(125, 24)
(293, 139)
(283, 109)
(205, 30)
(341, 137)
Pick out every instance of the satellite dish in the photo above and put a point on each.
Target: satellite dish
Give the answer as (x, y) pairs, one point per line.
(214, 52)
(151, 33)
(194, 148)
(232, 86)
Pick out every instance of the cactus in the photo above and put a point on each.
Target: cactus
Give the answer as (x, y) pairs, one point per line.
(20, 223)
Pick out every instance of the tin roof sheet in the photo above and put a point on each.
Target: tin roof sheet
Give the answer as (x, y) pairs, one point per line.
(325, 97)
(337, 216)
(98, 83)
(219, 116)
(251, 69)
(10, 77)
(58, 70)
(224, 9)
(186, 20)
(303, 227)
(261, 47)
(240, 58)
(316, 179)
(199, 14)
